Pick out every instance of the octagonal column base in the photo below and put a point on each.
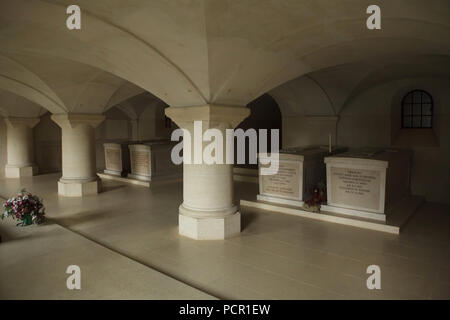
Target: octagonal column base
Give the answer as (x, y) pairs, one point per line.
(78, 189)
(210, 228)
(19, 172)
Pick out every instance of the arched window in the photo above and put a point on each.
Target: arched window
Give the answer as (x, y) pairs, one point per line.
(417, 110)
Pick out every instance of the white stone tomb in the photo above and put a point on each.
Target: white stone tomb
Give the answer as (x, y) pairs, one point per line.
(365, 182)
(151, 160)
(117, 159)
(299, 171)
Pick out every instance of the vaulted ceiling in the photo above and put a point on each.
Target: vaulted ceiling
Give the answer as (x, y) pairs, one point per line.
(329, 91)
(209, 51)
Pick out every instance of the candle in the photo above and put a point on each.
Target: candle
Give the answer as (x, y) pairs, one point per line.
(329, 142)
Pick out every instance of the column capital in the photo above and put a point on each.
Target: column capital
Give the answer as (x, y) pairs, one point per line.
(74, 120)
(22, 121)
(215, 115)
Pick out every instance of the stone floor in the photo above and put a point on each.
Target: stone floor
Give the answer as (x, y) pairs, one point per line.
(126, 242)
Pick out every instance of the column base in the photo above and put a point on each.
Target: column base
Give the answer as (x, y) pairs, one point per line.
(19, 172)
(210, 228)
(78, 189)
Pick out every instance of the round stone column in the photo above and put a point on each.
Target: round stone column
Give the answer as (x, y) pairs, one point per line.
(208, 211)
(20, 147)
(78, 154)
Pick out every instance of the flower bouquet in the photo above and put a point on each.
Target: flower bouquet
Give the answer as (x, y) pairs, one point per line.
(26, 208)
(319, 197)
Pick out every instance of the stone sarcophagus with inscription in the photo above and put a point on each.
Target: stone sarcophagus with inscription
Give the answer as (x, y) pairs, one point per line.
(152, 160)
(299, 172)
(117, 159)
(366, 182)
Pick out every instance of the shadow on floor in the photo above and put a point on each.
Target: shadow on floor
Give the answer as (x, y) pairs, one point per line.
(81, 218)
(108, 188)
(247, 219)
(27, 234)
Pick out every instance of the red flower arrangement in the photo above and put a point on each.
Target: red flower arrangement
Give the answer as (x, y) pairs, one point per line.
(26, 208)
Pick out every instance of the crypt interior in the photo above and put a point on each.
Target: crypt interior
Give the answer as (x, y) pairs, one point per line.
(86, 118)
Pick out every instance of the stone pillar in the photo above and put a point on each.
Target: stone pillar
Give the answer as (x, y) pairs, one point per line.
(78, 154)
(208, 211)
(20, 147)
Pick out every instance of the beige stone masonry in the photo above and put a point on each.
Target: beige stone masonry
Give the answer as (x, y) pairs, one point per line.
(19, 144)
(208, 211)
(78, 154)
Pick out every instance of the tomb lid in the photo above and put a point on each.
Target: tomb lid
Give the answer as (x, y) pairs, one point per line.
(154, 141)
(312, 150)
(113, 143)
(382, 156)
(150, 142)
(309, 153)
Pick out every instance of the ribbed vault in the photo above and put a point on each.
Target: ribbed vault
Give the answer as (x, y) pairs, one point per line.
(217, 51)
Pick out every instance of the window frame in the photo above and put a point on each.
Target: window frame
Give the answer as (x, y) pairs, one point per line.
(411, 115)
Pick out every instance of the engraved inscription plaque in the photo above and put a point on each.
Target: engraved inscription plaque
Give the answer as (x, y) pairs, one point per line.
(112, 159)
(285, 183)
(357, 187)
(141, 162)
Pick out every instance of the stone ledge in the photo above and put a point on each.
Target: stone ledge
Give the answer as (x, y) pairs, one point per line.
(290, 202)
(397, 216)
(127, 179)
(354, 212)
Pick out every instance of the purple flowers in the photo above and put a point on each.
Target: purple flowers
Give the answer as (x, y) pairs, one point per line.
(26, 208)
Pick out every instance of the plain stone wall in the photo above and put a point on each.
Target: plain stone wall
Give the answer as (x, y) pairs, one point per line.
(47, 145)
(163, 131)
(152, 123)
(146, 131)
(264, 114)
(115, 128)
(2, 147)
(308, 130)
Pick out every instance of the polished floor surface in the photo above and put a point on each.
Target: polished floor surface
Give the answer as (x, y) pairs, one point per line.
(126, 242)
